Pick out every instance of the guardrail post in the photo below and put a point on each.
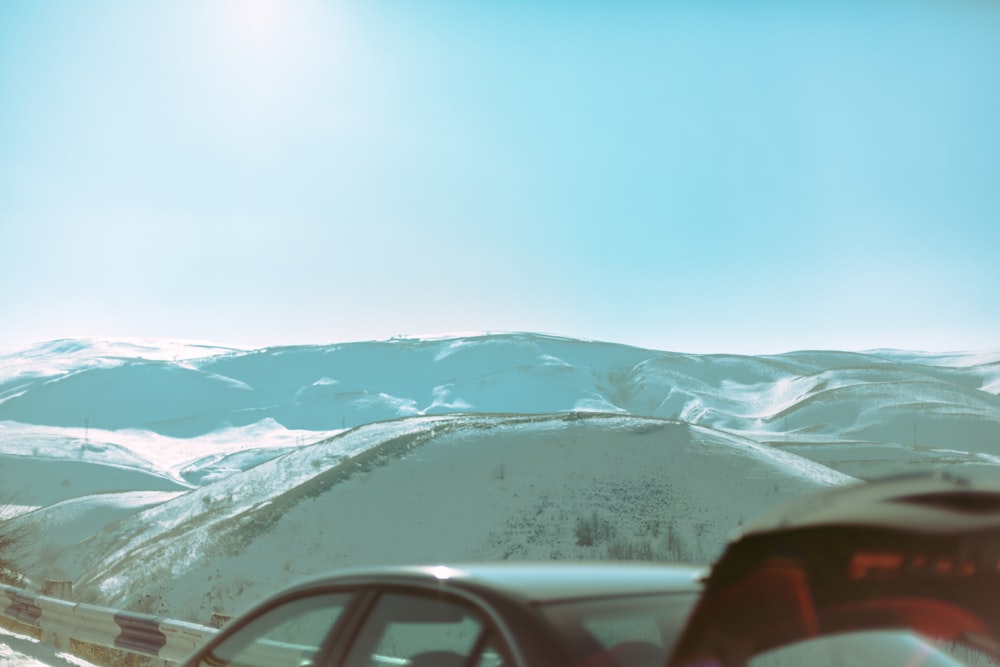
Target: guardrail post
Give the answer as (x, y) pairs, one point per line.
(218, 620)
(57, 589)
(62, 590)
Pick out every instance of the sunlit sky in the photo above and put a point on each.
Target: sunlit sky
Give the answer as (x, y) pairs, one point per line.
(693, 176)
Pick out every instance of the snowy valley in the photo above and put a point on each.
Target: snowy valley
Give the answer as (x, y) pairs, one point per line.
(188, 479)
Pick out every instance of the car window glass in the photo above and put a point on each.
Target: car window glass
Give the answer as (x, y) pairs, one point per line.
(614, 629)
(632, 631)
(289, 634)
(419, 631)
(882, 648)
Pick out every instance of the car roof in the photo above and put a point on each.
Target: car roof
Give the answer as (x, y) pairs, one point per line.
(536, 582)
(920, 503)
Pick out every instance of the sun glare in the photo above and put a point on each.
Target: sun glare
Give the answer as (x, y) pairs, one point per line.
(257, 23)
(278, 42)
(262, 59)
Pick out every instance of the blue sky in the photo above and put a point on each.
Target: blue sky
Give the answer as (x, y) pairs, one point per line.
(694, 176)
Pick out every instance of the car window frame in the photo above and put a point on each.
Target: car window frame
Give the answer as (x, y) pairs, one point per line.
(493, 627)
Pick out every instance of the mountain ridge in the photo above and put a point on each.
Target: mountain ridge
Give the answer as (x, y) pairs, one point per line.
(215, 475)
(331, 386)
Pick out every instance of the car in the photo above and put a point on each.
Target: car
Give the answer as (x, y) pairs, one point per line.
(479, 614)
(896, 572)
(908, 565)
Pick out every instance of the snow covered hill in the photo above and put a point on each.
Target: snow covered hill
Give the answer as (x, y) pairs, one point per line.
(122, 394)
(198, 478)
(436, 489)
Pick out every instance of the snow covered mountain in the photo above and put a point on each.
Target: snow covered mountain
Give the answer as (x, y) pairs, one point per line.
(188, 479)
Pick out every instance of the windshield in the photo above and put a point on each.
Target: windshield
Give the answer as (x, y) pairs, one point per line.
(624, 631)
(882, 648)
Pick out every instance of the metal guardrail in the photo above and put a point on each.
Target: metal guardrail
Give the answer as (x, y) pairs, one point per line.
(61, 620)
(143, 634)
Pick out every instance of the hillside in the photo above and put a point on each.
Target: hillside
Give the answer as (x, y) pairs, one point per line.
(197, 478)
(435, 489)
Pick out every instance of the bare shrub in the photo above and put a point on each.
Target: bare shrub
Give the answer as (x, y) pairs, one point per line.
(13, 545)
(640, 549)
(593, 529)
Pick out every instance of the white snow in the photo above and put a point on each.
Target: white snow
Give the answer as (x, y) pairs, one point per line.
(17, 650)
(56, 357)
